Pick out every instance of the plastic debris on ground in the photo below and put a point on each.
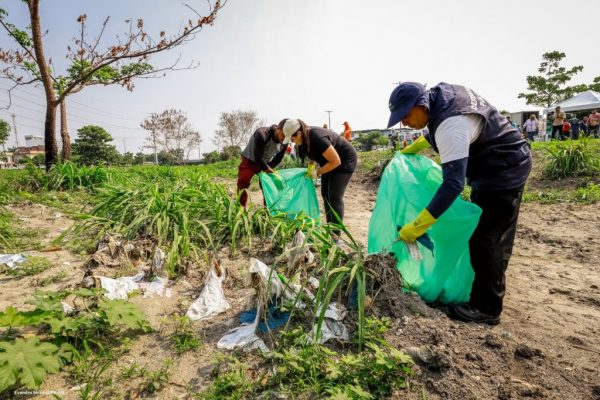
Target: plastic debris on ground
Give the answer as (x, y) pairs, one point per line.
(121, 287)
(11, 260)
(299, 253)
(244, 336)
(212, 300)
(332, 326)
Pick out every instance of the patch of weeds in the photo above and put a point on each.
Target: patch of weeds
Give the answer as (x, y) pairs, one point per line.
(184, 338)
(133, 371)
(56, 278)
(32, 265)
(83, 337)
(588, 194)
(155, 381)
(14, 238)
(230, 381)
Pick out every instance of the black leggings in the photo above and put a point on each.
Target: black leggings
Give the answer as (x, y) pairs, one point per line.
(558, 129)
(491, 246)
(333, 187)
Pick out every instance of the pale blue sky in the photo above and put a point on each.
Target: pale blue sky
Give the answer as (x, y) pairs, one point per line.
(298, 58)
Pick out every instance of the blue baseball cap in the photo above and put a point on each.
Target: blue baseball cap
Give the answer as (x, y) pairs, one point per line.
(403, 98)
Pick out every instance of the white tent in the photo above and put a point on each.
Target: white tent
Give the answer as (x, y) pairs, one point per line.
(581, 102)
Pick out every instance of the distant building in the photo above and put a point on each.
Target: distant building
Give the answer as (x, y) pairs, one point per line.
(6, 159)
(22, 152)
(32, 140)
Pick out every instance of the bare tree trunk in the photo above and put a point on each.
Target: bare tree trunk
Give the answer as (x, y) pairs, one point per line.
(64, 133)
(50, 123)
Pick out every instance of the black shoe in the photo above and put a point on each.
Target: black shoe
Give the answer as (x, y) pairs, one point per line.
(466, 312)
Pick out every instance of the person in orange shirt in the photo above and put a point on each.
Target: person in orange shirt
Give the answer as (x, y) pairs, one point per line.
(347, 134)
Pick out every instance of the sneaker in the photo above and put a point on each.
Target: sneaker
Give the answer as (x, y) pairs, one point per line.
(467, 313)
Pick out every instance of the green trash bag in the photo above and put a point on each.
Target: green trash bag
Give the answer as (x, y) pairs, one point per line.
(407, 186)
(292, 193)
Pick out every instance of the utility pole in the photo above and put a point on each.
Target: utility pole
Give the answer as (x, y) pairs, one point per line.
(124, 146)
(15, 129)
(199, 153)
(329, 114)
(155, 153)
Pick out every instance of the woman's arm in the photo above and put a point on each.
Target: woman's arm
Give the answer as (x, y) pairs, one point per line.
(333, 161)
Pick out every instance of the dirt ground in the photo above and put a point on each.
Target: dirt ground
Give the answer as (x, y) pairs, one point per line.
(547, 345)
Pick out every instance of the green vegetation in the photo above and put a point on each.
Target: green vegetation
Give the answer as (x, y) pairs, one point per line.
(572, 158)
(62, 337)
(32, 265)
(301, 369)
(184, 338)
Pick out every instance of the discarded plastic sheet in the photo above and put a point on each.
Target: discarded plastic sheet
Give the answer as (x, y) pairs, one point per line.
(332, 326)
(266, 279)
(212, 300)
(119, 288)
(300, 253)
(275, 318)
(11, 260)
(244, 337)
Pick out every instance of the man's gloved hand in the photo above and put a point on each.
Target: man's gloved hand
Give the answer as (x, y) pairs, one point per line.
(418, 145)
(411, 231)
(311, 171)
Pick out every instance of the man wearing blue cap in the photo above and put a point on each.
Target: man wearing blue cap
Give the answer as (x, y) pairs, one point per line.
(477, 143)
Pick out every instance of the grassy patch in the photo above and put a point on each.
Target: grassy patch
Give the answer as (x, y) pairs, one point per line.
(184, 338)
(32, 265)
(588, 194)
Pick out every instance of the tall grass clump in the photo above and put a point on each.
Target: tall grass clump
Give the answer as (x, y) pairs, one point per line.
(65, 176)
(571, 158)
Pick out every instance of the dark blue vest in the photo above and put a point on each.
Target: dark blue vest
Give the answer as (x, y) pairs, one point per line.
(500, 158)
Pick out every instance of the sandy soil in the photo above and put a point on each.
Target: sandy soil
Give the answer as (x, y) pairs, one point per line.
(547, 345)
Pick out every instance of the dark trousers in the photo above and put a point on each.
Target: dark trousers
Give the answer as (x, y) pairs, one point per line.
(333, 187)
(491, 246)
(246, 171)
(558, 129)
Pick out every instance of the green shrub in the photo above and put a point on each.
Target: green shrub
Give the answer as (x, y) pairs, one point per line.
(571, 158)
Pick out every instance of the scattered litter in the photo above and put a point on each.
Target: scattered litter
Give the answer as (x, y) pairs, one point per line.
(275, 318)
(119, 288)
(265, 280)
(244, 336)
(432, 358)
(332, 326)
(212, 300)
(11, 260)
(300, 253)
(67, 309)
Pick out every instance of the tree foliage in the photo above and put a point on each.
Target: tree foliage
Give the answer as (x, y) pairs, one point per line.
(235, 128)
(171, 133)
(4, 132)
(92, 146)
(550, 87)
(371, 139)
(91, 63)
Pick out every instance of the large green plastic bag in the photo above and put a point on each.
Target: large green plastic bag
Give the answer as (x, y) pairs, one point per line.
(296, 195)
(407, 186)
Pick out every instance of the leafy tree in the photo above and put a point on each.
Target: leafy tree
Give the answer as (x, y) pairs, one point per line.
(235, 128)
(549, 88)
(170, 130)
(212, 157)
(4, 133)
(373, 138)
(127, 158)
(139, 158)
(92, 148)
(230, 152)
(596, 85)
(119, 63)
(170, 157)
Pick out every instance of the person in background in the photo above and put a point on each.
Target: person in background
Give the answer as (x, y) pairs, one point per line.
(557, 124)
(347, 134)
(583, 126)
(336, 158)
(477, 143)
(575, 127)
(264, 151)
(532, 127)
(510, 120)
(566, 129)
(594, 124)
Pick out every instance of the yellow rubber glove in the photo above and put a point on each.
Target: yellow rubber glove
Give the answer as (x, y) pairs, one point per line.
(411, 231)
(418, 145)
(311, 171)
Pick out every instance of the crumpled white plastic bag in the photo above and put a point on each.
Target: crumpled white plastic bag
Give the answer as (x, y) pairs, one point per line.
(268, 278)
(11, 260)
(244, 336)
(211, 301)
(332, 326)
(119, 288)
